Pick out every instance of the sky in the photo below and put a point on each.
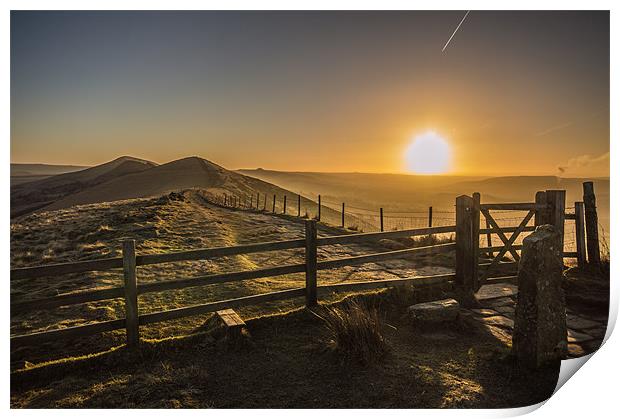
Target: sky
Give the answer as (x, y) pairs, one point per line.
(513, 93)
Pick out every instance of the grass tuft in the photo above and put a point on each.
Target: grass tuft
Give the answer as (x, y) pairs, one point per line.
(355, 332)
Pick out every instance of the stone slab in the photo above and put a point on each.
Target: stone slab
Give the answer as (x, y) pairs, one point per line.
(499, 321)
(506, 310)
(500, 302)
(435, 311)
(596, 332)
(578, 337)
(492, 291)
(575, 350)
(575, 322)
(485, 312)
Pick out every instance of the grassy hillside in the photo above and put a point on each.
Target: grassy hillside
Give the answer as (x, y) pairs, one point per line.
(165, 224)
(30, 196)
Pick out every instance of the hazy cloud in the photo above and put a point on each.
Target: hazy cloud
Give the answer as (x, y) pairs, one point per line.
(586, 164)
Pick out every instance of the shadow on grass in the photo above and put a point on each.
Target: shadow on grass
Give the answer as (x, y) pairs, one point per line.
(289, 365)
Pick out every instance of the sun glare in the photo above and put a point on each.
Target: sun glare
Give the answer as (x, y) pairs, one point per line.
(428, 154)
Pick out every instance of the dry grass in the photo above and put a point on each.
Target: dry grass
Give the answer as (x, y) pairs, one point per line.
(355, 332)
(287, 367)
(170, 223)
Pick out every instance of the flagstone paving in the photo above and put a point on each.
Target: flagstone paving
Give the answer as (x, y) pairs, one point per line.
(496, 313)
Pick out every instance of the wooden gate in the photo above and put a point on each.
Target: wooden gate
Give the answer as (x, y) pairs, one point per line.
(547, 208)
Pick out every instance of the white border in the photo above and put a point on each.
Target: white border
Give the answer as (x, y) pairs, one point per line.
(593, 393)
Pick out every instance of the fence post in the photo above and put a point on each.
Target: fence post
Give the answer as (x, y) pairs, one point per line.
(343, 214)
(589, 202)
(430, 216)
(284, 212)
(475, 238)
(251, 202)
(131, 293)
(257, 201)
(381, 218)
(318, 217)
(464, 246)
(556, 201)
(542, 215)
(265, 203)
(298, 205)
(311, 263)
(580, 234)
(274, 204)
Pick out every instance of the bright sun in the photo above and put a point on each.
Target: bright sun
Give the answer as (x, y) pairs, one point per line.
(428, 154)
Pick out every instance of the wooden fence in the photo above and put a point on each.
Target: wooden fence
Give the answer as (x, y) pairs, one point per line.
(548, 208)
(132, 288)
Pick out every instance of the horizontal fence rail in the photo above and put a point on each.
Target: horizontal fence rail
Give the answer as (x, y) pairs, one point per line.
(356, 238)
(218, 252)
(376, 257)
(385, 283)
(67, 299)
(199, 254)
(220, 278)
(219, 305)
(67, 268)
(522, 206)
(67, 333)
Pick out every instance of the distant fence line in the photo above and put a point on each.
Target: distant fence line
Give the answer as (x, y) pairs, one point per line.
(338, 213)
(376, 220)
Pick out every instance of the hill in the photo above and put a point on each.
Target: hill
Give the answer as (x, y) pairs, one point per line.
(28, 172)
(30, 196)
(130, 178)
(37, 169)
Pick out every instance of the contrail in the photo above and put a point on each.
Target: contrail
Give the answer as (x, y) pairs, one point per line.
(455, 31)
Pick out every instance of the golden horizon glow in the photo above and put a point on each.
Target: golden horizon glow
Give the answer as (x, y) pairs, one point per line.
(345, 98)
(428, 154)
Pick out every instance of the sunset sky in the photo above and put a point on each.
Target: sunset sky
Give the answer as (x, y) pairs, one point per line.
(513, 92)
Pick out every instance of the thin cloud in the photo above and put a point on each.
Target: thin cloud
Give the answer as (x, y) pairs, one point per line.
(568, 124)
(553, 129)
(455, 31)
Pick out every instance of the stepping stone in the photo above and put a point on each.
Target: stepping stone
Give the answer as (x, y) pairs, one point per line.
(499, 321)
(599, 318)
(501, 302)
(592, 345)
(506, 310)
(499, 333)
(576, 322)
(435, 311)
(575, 351)
(484, 312)
(597, 332)
(578, 337)
(492, 291)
